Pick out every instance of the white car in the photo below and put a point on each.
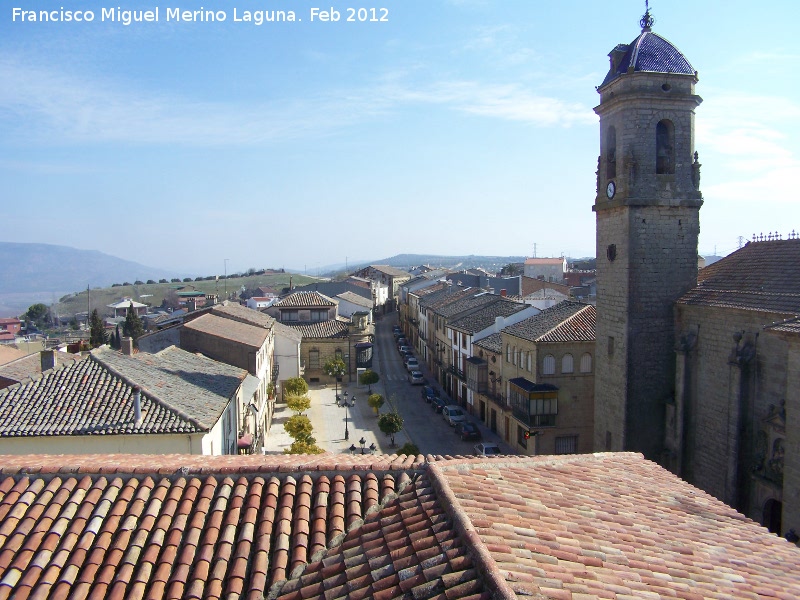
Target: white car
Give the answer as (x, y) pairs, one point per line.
(453, 414)
(412, 364)
(416, 378)
(487, 449)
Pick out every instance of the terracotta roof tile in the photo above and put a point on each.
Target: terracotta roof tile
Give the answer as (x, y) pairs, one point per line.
(566, 321)
(304, 299)
(600, 526)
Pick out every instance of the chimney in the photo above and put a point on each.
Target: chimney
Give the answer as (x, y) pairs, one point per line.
(503, 292)
(127, 346)
(48, 358)
(290, 283)
(499, 323)
(137, 405)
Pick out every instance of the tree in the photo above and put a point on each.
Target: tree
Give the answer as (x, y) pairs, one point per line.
(162, 281)
(37, 313)
(295, 386)
(97, 330)
(151, 282)
(298, 404)
(334, 367)
(133, 327)
(409, 449)
(510, 270)
(390, 424)
(369, 377)
(375, 401)
(299, 427)
(303, 447)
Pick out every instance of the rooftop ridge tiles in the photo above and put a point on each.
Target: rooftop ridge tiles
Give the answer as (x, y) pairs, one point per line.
(197, 423)
(464, 527)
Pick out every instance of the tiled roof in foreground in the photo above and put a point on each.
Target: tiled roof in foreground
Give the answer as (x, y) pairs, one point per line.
(341, 526)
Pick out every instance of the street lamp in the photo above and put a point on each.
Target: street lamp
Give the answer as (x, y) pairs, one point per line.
(372, 448)
(346, 430)
(362, 441)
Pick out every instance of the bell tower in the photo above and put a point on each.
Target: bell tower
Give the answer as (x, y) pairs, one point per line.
(648, 220)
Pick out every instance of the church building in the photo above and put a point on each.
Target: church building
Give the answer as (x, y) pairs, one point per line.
(697, 371)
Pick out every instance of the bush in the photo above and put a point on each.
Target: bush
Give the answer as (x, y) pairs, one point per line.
(296, 386)
(299, 427)
(298, 404)
(138, 282)
(303, 447)
(390, 424)
(408, 449)
(163, 281)
(151, 282)
(375, 401)
(369, 377)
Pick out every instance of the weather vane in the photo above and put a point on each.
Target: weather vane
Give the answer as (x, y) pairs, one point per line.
(647, 20)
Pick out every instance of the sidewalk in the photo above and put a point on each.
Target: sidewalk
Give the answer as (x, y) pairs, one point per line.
(329, 422)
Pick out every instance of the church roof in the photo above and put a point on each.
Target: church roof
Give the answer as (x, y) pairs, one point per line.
(341, 526)
(760, 276)
(649, 52)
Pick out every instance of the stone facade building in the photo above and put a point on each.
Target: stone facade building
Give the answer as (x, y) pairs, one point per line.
(729, 427)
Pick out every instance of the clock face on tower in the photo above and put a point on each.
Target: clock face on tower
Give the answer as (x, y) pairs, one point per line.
(611, 189)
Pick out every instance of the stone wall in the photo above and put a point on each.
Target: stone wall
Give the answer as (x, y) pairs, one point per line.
(728, 390)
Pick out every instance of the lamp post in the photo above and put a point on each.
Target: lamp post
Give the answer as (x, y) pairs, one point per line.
(362, 441)
(346, 430)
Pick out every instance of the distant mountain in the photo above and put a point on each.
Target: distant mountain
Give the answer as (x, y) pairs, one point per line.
(28, 268)
(406, 261)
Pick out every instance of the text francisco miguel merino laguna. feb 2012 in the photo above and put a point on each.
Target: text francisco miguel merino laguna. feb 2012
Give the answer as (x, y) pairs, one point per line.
(201, 15)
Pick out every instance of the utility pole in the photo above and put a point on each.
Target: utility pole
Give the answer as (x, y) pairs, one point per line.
(226, 277)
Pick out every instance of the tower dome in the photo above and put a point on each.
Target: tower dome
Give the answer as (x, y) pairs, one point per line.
(649, 52)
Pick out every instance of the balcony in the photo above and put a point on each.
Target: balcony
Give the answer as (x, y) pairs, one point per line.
(533, 420)
(457, 372)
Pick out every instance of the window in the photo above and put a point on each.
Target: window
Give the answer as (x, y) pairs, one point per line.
(313, 359)
(290, 315)
(567, 444)
(611, 153)
(463, 340)
(665, 147)
(586, 363)
(508, 353)
(319, 315)
(567, 364)
(530, 366)
(549, 365)
(339, 354)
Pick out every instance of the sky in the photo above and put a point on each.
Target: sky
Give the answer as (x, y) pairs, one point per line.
(448, 127)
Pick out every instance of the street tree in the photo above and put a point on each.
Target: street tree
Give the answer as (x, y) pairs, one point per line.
(299, 427)
(375, 401)
(369, 377)
(97, 330)
(390, 424)
(308, 446)
(409, 449)
(37, 313)
(334, 367)
(295, 386)
(133, 327)
(298, 404)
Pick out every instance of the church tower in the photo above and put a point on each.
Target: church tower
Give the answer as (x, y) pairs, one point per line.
(648, 220)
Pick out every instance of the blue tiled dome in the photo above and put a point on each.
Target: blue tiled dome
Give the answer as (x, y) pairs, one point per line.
(650, 53)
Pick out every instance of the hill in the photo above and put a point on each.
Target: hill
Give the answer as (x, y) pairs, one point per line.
(49, 268)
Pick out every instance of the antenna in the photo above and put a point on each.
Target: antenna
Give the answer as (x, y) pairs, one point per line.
(647, 20)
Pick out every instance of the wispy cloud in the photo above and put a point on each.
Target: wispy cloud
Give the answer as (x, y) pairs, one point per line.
(748, 133)
(56, 107)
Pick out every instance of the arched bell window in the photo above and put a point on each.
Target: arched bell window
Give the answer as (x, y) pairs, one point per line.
(665, 147)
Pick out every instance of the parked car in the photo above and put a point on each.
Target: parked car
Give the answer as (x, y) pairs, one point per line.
(405, 349)
(453, 414)
(407, 356)
(428, 393)
(396, 329)
(401, 341)
(412, 364)
(437, 404)
(487, 449)
(416, 378)
(467, 430)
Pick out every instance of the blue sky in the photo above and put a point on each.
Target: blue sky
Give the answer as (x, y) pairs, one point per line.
(457, 127)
